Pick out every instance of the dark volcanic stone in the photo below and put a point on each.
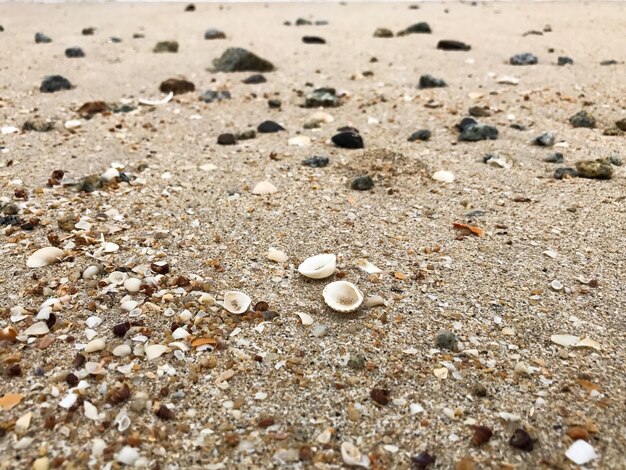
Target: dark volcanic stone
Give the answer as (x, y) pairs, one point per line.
(41, 38)
(313, 40)
(556, 157)
(478, 132)
(1, 28)
(90, 31)
(600, 169)
(422, 134)
(583, 119)
(269, 127)
(525, 58)
(190, 7)
(10, 220)
(177, 86)
(609, 62)
(479, 111)
(417, 28)
(274, 103)
(563, 60)
(321, 22)
(545, 140)
(316, 162)
(254, 79)
(226, 139)
(521, 440)
(211, 95)
(166, 46)
(246, 135)
(74, 52)
(466, 122)
(383, 33)
(91, 108)
(38, 125)
(362, 183)
(422, 461)
(54, 83)
(237, 59)
(115, 40)
(322, 97)
(428, 81)
(447, 340)
(452, 45)
(348, 140)
(621, 124)
(303, 22)
(565, 172)
(212, 33)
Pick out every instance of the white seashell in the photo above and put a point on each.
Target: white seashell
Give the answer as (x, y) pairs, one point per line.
(565, 340)
(122, 421)
(128, 455)
(236, 302)
(155, 351)
(556, 285)
(374, 301)
(207, 299)
(129, 305)
(367, 266)
(300, 141)
(90, 272)
(320, 117)
(110, 174)
(93, 321)
(122, 350)
(581, 452)
(73, 124)
(117, 278)
(68, 400)
(94, 368)
(180, 333)
(443, 176)
(507, 80)
(44, 257)
(342, 296)
(91, 411)
(264, 188)
(132, 285)
(97, 344)
(147, 102)
(318, 266)
(37, 329)
(110, 247)
(22, 424)
(276, 255)
(305, 318)
(9, 130)
(352, 456)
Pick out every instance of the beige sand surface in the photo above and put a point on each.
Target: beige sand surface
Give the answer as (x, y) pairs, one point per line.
(492, 291)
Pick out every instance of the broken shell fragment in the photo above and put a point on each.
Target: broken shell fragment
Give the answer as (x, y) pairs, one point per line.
(443, 176)
(352, 456)
(276, 255)
(236, 302)
(342, 296)
(264, 188)
(44, 257)
(148, 102)
(368, 267)
(155, 351)
(374, 301)
(318, 266)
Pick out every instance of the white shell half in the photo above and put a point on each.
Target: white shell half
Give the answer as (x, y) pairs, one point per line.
(44, 257)
(264, 188)
(147, 102)
(318, 266)
(443, 176)
(276, 255)
(236, 302)
(342, 296)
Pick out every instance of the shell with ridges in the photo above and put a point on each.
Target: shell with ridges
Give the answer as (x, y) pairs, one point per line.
(318, 266)
(264, 188)
(342, 296)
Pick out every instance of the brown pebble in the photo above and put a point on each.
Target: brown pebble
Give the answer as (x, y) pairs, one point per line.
(479, 390)
(119, 394)
(482, 434)
(232, 440)
(466, 463)
(521, 440)
(305, 454)
(266, 422)
(165, 413)
(121, 329)
(71, 380)
(577, 432)
(380, 396)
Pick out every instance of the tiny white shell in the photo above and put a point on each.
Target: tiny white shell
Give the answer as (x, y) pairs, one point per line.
(300, 141)
(90, 272)
(155, 351)
(110, 174)
(264, 188)
(36, 329)
(147, 102)
(342, 296)
(73, 124)
(277, 255)
(443, 176)
(353, 457)
(95, 345)
(318, 266)
(374, 301)
(117, 277)
(132, 285)
(236, 302)
(305, 318)
(44, 257)
(122, 350)
(368, 267)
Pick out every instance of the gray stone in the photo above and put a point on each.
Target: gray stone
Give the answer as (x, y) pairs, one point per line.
(447, 340)
(212, 33)
(476, 132)
(428, 81)
(362, 183)
(545, 140)
(237, 59)
(583, 119)
(41, 38)
(322, 97)
(525, 58)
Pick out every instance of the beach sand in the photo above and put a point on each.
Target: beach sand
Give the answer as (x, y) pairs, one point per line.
(273, 394)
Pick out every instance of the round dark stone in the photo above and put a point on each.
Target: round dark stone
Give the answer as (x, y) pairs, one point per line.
(54, 83)
(41, 38)
(74, 52)
(565, 172)
(428, 81)
(268, 127)
(316, 162)
(211, 34)
(254, 79)
(422, 134)
(476, 132)
(226, 139)
(452, 45)
(88, 31)
(545, 140)
(555, 158)
(274, 104)
(348, 140)
(563, 60)
(362, 183)
(466, 122)
(525, 58)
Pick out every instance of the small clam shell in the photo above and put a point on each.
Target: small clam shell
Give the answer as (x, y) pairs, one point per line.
(117, 278)
(236, 302)
(44, 257)
(318, 266)
(443, 176)
(264, 188)
(276, 255)
(342, 296)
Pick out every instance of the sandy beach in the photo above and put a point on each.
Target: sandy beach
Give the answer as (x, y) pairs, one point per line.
(491, 334)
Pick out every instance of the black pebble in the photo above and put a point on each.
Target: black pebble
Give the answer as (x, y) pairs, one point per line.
(10, 220)
(521, 440)
(190, 7)
(267, 127)
(88, 31)
(313, 40)
(226, 139)
(348, 140)
(115, 40)
(561, 173)
(428, 81)
(41, 38)
(609, 62)
(563, 60)
(555, 158)
(74, 52)
(348, 129)
(254, 79)
(451, 45)
(316, 162)
(362, 183)
(525, 58)
(422, 134)
(54, 83)
(478, 132)
(545, 140)
(274, 104)
(466, 122)
(422, 461)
